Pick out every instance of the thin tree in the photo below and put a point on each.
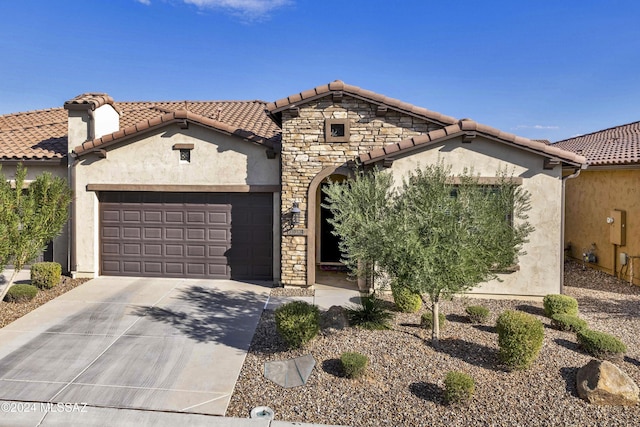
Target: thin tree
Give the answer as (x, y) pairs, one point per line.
(29, 218)
(360, 207)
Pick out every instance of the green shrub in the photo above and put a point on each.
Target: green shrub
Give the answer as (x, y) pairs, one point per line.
(520, 337)
(45, 275)
(21, 293)
(458, 387)
(560, 304)
(297, 322)
(372, 314)
(354, 364)
(567, 322)
(426, 320)
(601, 344)
(406, 301)
(477, 313)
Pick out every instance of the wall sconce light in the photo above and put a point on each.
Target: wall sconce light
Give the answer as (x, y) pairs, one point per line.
(291, 218)
(295, 214)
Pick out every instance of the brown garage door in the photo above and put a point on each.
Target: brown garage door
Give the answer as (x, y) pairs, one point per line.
(199, 235)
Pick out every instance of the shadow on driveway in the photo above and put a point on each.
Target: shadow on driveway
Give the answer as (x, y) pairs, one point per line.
(208, 315)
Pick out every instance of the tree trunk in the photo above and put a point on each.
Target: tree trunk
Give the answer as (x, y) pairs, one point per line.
(4, 291)
(435, 330)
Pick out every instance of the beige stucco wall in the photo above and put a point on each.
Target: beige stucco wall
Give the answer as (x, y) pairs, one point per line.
(540, 269)
(60, 243)
(216, 159)
(589, 200)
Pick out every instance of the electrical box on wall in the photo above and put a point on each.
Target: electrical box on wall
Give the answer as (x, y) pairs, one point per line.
(617, 227)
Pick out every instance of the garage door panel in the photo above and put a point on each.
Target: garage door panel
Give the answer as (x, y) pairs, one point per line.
(153, 233)
(152, 250)
(151, 267)
(174, 217)
(131, 249)
(153, 217)
(174, 234)
(113, 232)
(218, 235)
(196, 217)
(195, 234)
(208, 235)
(111, 216)
(131, 232)
(196, 251)
(174, 268)
(174, 250)
(132, 267)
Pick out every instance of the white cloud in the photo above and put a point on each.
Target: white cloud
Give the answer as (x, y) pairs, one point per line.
(537, 127)
(251, 9)
(145, 2)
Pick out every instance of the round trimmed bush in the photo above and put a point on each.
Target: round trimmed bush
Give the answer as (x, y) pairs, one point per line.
(426, 320)
(520, 337)
(601, 344)
(21, 293)
(46, 275)
(297, 322)
(477, 313)
(406, 301)
(354, 364)
(567, 322)
(560, 304)
(458, 387)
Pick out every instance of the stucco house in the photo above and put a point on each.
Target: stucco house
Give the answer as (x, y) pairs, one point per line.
(603, 201)
(230, 189)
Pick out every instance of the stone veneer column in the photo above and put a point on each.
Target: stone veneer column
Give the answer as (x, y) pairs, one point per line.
(305, 153)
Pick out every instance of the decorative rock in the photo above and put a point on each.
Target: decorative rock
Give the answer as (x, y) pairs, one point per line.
(603, 383)
(334, 319)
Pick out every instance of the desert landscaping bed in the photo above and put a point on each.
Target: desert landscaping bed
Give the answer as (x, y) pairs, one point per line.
(405, 381)
(10, 311)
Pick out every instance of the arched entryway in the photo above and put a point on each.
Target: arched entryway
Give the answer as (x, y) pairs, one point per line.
(323, 255)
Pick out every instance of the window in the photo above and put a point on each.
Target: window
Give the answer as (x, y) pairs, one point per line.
(184, 152)
(336, 130)
(185, 156)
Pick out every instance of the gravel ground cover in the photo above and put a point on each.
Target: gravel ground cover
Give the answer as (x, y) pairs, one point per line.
(10, 311)
(404, 385)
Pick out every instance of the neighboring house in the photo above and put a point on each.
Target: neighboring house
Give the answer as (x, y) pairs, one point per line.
(213, 189)
(603, 202)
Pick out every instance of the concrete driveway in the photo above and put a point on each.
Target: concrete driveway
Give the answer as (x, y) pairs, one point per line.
(155, 344)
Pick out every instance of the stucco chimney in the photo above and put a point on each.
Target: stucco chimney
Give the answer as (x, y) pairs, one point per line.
(91, 115)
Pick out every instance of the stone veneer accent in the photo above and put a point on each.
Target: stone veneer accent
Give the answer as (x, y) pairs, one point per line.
(305, 153)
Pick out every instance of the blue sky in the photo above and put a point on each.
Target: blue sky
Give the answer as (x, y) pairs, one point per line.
(543, 69)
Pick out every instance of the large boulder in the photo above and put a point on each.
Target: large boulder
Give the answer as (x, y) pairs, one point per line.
(334, 319)
(602, 383)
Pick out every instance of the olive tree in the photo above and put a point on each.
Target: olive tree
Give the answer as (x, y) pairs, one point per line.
(439, 235)
(29, 218)
(360, 207)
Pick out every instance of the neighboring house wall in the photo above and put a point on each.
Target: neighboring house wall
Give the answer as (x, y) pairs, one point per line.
(55, 168)
(150, 160)
(541, 268)
(590, 198)
(306, 154)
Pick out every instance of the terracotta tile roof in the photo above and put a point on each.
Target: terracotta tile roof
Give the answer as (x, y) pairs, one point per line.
(470, 128)
(619, 145)
(274, 108)
(42, 134)
(241, 130)
(34, 135)
(91, 100)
